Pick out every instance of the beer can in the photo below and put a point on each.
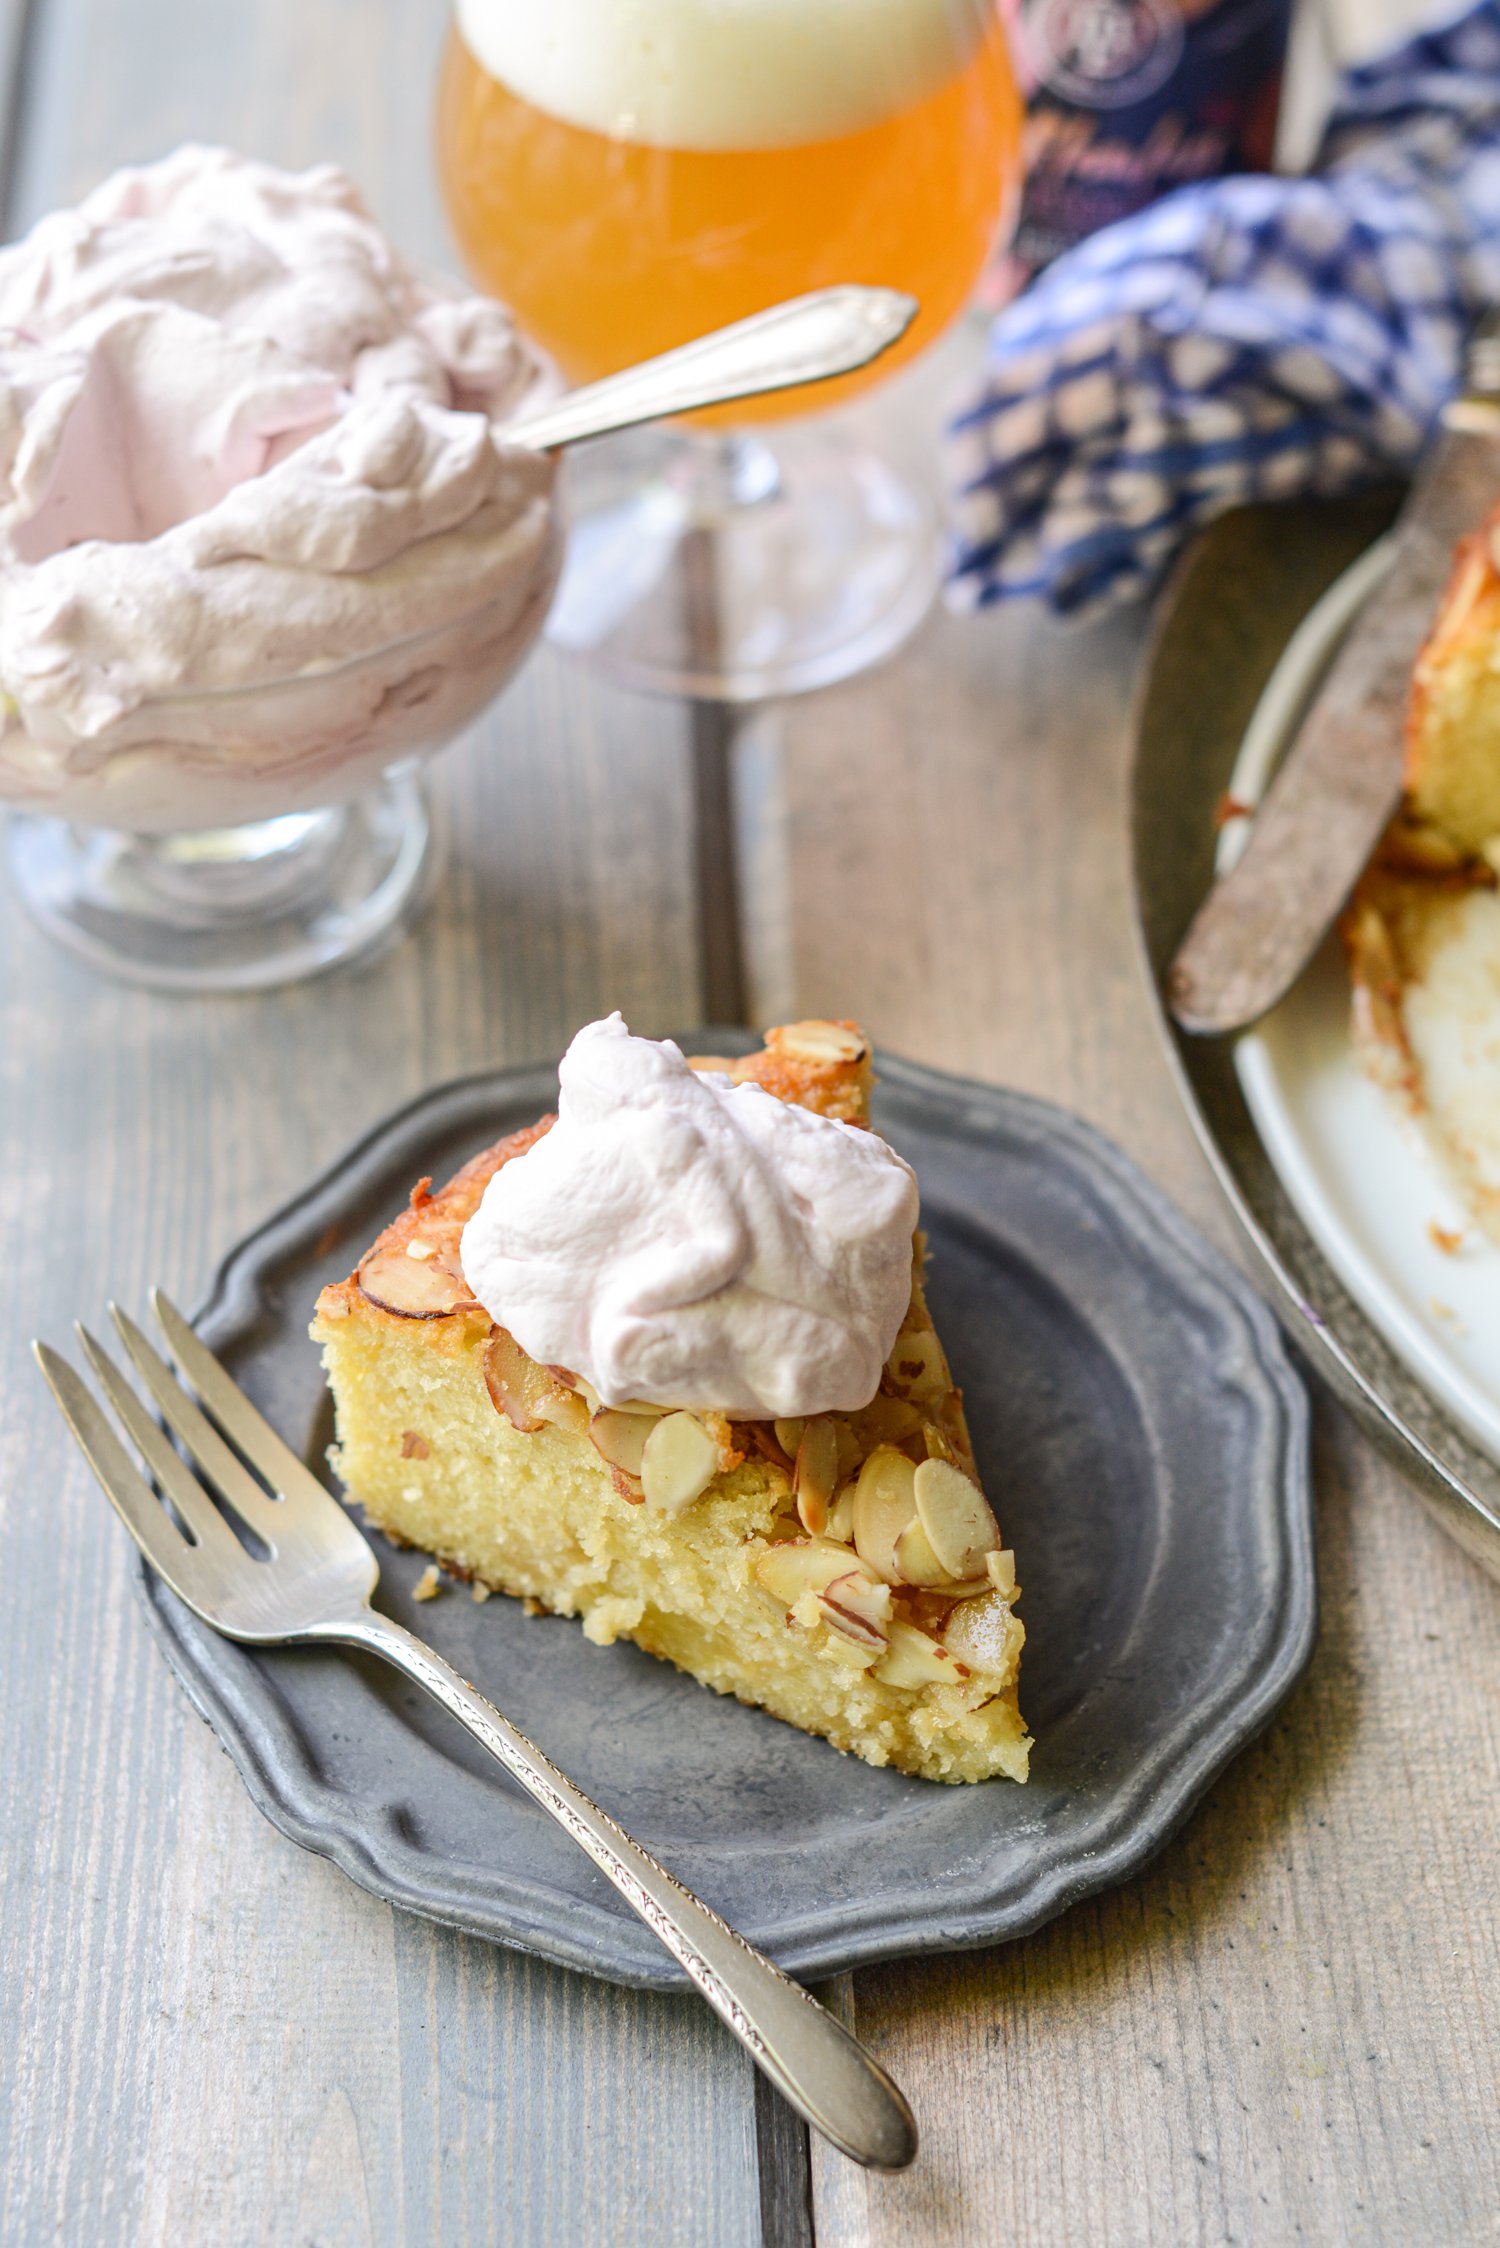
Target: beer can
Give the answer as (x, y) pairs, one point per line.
(1128, 99)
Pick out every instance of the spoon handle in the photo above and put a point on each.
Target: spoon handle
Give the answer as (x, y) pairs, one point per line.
(830, 332)
(810, 2057)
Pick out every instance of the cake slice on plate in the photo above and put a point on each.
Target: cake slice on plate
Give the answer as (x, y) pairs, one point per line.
(664, 1363)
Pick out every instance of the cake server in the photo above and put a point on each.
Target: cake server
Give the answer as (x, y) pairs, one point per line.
(313, 1579)
(1340, 784)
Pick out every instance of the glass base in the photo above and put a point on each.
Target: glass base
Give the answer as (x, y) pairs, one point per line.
(232, 908)
(715, 566)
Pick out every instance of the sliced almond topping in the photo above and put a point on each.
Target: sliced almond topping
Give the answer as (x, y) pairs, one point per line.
(863, 1597)
(915, 1660)
(679, 1460)
(628, 1487)
(841, 1517)
(916, 1563)
(411, 1289)
(857, 1654)
(789, 1436)
(956, 1516)
(851, 1451)
(816, 1472)
(796, 1566)
(890, 1420)
(884, 1503)
(619, 1438)
(817, 1042)
(917, 1368)
(519, 1388)
(984, 1635)
(566, 1410)
(1000, 1568)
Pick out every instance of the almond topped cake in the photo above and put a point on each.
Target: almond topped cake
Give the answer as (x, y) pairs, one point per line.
(663, 1362)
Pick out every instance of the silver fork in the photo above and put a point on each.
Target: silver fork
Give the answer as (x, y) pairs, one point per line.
(315, 1583)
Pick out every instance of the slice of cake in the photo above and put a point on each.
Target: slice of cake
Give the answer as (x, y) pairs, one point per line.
(1422, 932)
(1453, 716)
(734, 1438)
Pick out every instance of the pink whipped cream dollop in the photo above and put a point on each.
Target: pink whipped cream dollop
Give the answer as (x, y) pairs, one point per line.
(242, 442)
(687, 1241)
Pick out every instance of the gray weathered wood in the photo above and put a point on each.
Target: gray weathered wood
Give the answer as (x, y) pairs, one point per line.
(1286, 2031)
(1289, 2029)
(211, 2037)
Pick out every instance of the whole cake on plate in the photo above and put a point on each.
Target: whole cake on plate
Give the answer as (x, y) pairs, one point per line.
(663, 1362)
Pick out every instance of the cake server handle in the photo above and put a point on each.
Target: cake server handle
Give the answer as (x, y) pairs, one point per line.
(812, 2060)
(805, 339)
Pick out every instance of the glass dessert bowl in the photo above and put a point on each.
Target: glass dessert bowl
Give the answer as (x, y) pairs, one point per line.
(277, 519)
(263, 545)
(309, 834)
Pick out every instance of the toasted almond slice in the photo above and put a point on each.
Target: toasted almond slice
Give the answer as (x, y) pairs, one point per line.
(861, 1594)
(619, 1438)
(956, 1516)
(890, 1420)
(851, 1451)
(519, 1388)
(851, 1627)
(984, 1635)
(939, 1443)
(410, 1288)
(679, 1460)
(884, 1503)
(817, 1042)
(566, 1410)
(841, 1516)
(816, 1472)
(916, 1563)
(858, 1654)
(917, 1368)
(1000, 1568)
(789, 1436)
(915, 1660)
(796, 1566)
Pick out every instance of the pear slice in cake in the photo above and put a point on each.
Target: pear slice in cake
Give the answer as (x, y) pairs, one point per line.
(842, 1569)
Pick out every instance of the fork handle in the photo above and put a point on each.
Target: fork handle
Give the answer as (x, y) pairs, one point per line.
(812, 2060)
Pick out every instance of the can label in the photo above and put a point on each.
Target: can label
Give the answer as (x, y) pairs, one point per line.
(1127, 99)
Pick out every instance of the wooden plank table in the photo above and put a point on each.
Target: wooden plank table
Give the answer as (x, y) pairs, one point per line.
(1286, 2031)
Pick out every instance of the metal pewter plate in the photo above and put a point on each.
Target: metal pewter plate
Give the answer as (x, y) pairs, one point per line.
(1237, 599)
(1145, 1439)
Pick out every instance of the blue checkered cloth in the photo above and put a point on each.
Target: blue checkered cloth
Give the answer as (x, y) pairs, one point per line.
(1245, 339)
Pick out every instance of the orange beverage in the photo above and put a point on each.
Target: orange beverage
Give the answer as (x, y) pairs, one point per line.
(614, 244)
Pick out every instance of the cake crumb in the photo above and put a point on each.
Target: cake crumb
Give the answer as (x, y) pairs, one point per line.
(1442, 1237)
(414, 1447)
(479, 1591)
(532, 1607)
(429, 1584)
(1446, 1311)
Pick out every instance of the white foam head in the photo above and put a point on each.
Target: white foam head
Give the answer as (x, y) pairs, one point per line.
(723, 74)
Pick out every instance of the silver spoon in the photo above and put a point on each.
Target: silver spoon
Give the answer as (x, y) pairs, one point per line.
(806, 339)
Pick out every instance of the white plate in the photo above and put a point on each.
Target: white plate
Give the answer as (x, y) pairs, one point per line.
(1355, 1167)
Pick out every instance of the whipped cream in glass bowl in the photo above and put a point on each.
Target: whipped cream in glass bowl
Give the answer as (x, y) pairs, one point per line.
(262, 541)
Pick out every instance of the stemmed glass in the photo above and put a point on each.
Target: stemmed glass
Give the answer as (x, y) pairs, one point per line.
(628, 173)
